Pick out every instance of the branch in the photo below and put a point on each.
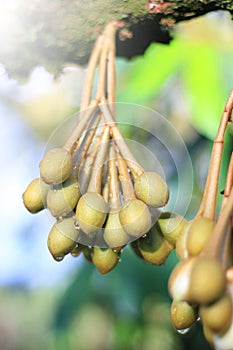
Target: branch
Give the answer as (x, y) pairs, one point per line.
(57, 32)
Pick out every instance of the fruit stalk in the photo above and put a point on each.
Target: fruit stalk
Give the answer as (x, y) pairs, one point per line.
(92, 64)
(85, 144)
(85, 172)
(84, 118)
(215, 245)
(136, 169)
(114, 191)
(125, 179)
(208, 204)
(96, 176)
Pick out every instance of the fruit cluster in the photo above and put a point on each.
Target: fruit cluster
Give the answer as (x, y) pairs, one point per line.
(100, 195)
(201, 284)
(103, 200)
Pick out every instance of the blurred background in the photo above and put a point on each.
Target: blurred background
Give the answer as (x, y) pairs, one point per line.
(69, 305)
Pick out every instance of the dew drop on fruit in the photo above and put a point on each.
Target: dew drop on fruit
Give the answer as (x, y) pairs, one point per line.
(183, 331)
(77, 225)
(59, 258)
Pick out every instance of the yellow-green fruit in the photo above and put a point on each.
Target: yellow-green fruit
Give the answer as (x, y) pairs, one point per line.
(209, 336)
(207, 281)
(183, 315)
(34, 197)
(105, 259)
(198, 234)
(114, 234)
(87, 253)
(151, 189)
(63, 198)
(135, 249)
(135, 218)
(179, 280)
(154, 248)
(217, 316)
(197, 280)
(56, 166)
(91, 212)
(171, 226)
(62, 238)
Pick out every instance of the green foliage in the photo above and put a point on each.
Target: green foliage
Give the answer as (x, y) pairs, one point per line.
(203, 69)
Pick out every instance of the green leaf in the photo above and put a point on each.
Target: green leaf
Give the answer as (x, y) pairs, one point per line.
(205, 88)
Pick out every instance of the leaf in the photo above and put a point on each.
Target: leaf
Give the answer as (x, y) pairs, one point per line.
(204, 86)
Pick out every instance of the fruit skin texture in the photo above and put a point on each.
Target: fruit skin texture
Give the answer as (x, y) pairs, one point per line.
(56, 166)
(183, 315)
(207, 281)
(154, 248)
(151, 189)
(199, 232)
(197, 280)
(34, 197)
(105, 259)
(135, 218)
(62, 238)
(171, 226)
(217, 316)
(91, 212)
(114, 234)
(62, 199)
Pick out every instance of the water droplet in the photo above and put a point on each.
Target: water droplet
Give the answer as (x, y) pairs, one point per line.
(119, 260)
(115, 251)
(183, 331)
(144, 236)
(199, 319)
(77, 225)
(59, 258)
(77, 245)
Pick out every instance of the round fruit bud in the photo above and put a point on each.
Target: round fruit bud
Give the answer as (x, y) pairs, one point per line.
(135, 218)
(217, 316)
(34, 197)
(91, 212)
(224, 341)
(56, 166)
(183, 315)
(87, 253)
(207, 281)
(154, 248)
(135, 249)
(171, 226)
(63, 198)
(198, 234)
(209, 336)
(62, 238)
(114, 234)
(179, 280)
(151, 189)
(105, 259)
